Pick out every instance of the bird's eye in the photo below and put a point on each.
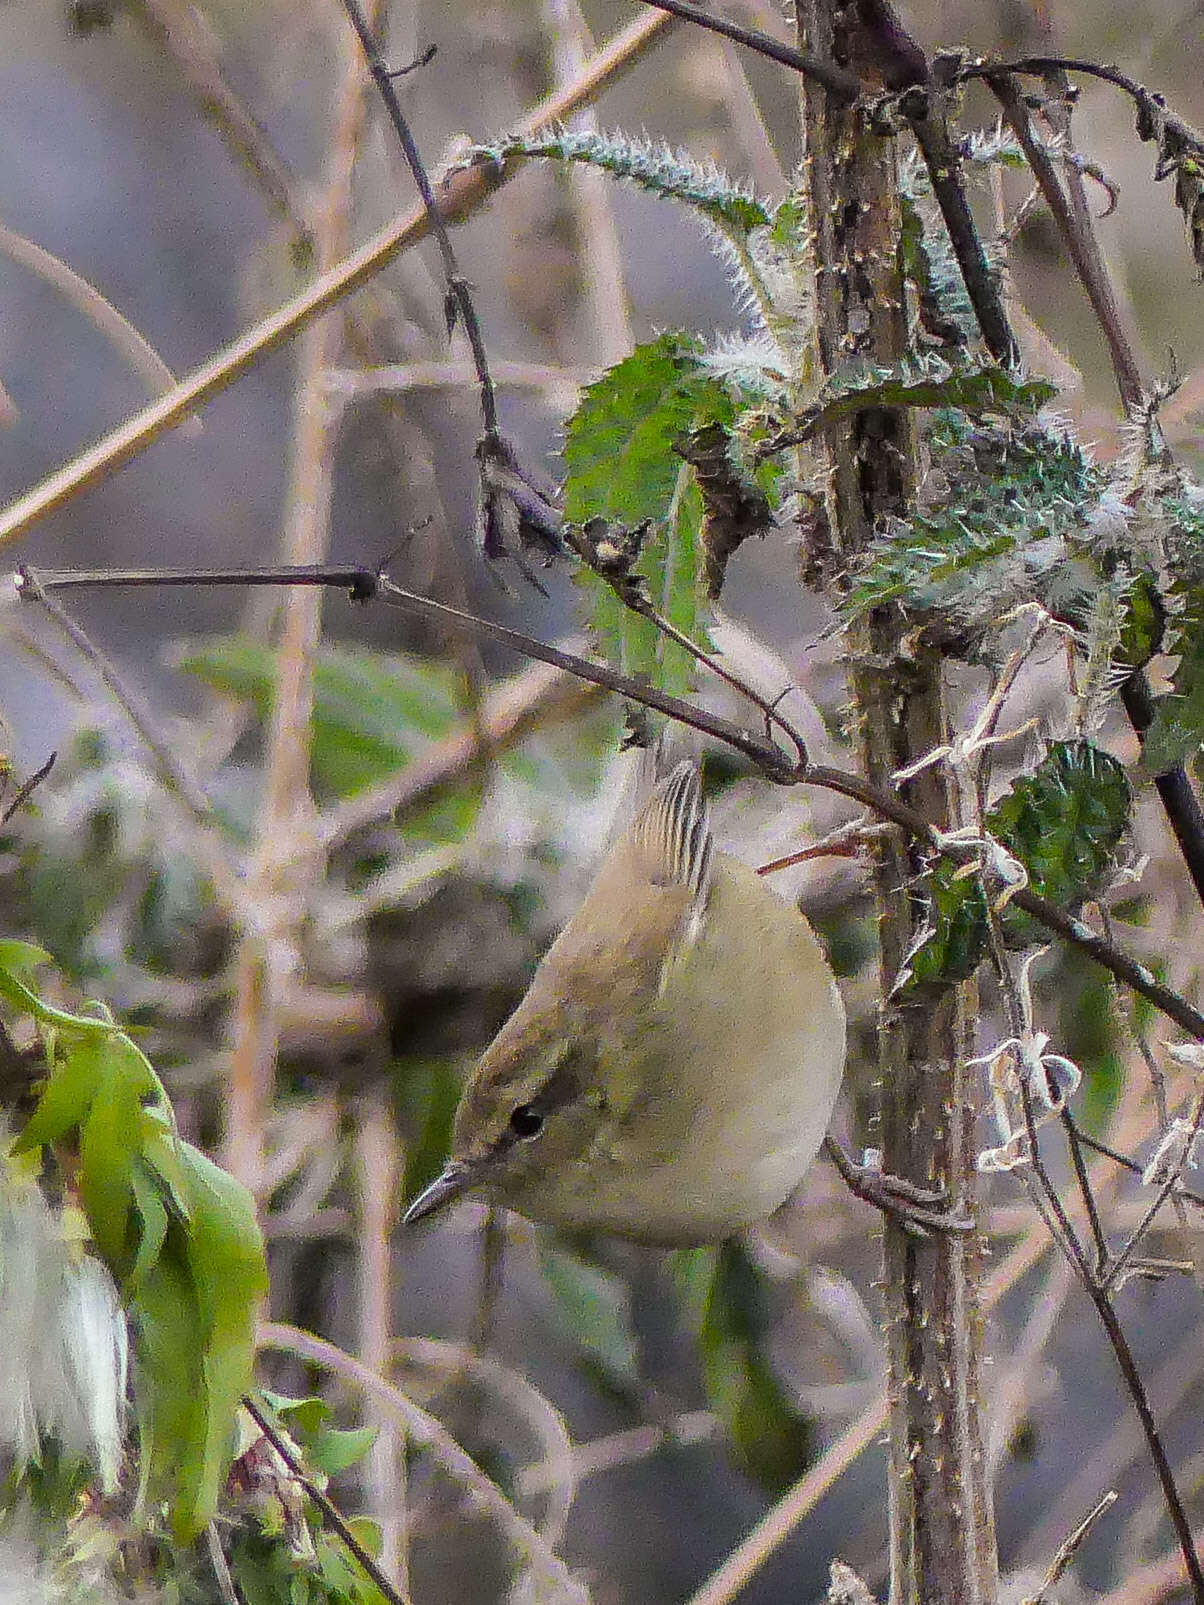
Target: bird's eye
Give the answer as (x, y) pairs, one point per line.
(526, 1121)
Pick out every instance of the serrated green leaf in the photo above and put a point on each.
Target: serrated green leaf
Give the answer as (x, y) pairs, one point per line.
(770, 1435)
(930, 383)
(623, 467)
(619, 447)
(596, 1306)
(1064, 822)
(1012, 524)
(655, 167)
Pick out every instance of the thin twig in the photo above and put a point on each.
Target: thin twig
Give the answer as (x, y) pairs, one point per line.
(330, 1514)
(100, 312)
(845, 86)
(459, 296)
(1072, 215)
(428, 1434)
(1119, 1265)
(221, 1567)
(737, 1568)
(775, 764)
(1132, 1166)
(26, 790)
(378, 1184)
(1070, 1546)
(1074, 225)
(265, 956)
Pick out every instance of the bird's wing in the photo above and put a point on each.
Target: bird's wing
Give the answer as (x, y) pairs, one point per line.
(672, 833)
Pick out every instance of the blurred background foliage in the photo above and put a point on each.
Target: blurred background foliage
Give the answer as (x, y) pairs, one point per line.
(640, 1409)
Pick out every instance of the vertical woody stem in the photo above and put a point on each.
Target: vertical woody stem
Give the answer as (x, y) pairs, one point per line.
(942, 1533)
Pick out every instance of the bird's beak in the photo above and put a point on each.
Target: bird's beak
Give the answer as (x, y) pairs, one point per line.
(452, 1182)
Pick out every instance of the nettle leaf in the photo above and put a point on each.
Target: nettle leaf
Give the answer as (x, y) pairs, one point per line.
(1005, 517)
(622, 467)
(769, 1434)
(595, 1305)
(372, 710)
(928, 381)
(651, 165)
(1064, 822)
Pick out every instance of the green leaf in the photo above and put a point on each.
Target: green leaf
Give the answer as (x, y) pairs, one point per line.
(770, 1435)
(334, 1450)
(169, 1393)
(1011, 523)
(922, 382)
(1064, 822)
(227, 1266)
(152, 1216)
(655, 167)
(372, 711)
(68, 1094)
(596, 1307)
(108, 1148)
(20, 958)
(623, 468)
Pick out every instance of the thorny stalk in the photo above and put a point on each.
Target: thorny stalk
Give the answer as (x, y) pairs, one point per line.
(459, 297)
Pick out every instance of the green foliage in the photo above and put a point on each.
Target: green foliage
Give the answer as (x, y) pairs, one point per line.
(724, 1295)
(596, 1307)
(1005, 517)
(372, 710)
(924, 381)
(280, 1552)
(179, 1236)
(1178, 727)
(1064, 823)
(652, 166)
(622, 467)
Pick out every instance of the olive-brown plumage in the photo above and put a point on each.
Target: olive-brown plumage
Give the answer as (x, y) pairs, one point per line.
(670, 1074)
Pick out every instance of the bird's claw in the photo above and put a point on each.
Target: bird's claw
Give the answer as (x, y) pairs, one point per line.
(919, 1210)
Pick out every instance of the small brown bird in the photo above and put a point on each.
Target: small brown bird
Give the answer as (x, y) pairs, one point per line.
(671, 1072)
